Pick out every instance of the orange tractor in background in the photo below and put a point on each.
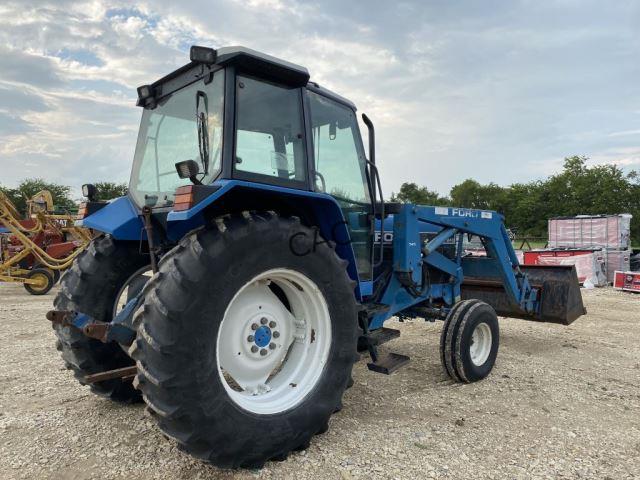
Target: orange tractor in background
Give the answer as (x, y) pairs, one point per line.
(36, 249)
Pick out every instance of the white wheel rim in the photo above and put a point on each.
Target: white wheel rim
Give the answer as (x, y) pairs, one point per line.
(481, 341)
(121, 298)
(269, 357)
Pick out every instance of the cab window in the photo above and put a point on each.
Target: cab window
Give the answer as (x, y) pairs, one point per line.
(339, 170)
(269, 132)
(339, 162)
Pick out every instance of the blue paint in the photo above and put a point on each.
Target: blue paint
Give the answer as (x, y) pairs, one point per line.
(80, 320)
(408, 258)
(119, 218)
(263, 336)
(366, 288)
(325, 209)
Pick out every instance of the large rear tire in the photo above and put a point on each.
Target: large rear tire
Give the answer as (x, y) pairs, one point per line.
(91, 286)
(230, 303)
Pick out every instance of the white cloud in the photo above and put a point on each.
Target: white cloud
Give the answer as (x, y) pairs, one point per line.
(622, 157)
(497, 92)
(625, 133)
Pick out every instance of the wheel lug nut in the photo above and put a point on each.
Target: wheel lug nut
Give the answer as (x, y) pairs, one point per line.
(276, 334)
(250, 338)
(263, 321)
(272, 324)
(254, 349)
(272, 346)
(254, 326)
(263, 352)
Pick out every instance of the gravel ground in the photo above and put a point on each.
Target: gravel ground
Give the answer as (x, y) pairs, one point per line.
(562, 402)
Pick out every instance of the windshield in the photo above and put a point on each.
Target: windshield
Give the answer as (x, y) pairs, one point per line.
(170, 133)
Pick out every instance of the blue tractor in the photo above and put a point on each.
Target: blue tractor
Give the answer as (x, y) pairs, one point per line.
(254, 260)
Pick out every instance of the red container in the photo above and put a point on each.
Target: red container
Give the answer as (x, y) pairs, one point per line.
(628, 281)
(531, 257)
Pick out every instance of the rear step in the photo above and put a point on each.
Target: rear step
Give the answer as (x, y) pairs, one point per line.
(373, 309)
(377, 338)
(370, 341)
(388, 363)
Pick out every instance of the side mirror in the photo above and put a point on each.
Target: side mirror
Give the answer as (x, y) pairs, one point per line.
(189, 169)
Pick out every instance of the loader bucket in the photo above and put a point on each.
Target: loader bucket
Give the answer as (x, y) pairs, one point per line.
(560, 297)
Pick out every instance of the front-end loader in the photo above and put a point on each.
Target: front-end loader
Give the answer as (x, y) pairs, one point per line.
(254, 260)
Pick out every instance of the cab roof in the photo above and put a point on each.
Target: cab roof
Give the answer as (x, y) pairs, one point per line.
(252, 62)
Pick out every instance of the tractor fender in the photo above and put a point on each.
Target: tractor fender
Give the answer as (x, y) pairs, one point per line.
(322, 208)
(120, 218)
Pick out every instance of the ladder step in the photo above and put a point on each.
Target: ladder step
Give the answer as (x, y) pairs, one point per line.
(373, 309)
(388, 363)
(377, 337)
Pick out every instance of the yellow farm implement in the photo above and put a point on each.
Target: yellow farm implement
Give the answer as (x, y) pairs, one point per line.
(34, 251)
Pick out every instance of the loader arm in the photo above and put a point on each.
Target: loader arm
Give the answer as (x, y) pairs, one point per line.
(496, 279)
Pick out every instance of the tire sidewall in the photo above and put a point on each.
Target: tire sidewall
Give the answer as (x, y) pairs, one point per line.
(243, 257)
(90, 286)
(482, 314)
(108, 277)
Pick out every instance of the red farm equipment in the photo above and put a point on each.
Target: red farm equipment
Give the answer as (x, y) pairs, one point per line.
(33, 251)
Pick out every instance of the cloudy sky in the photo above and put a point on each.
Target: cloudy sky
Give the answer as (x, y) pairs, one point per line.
(493, 90)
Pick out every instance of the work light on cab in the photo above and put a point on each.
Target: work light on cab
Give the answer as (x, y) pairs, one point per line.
(89, 190)
(202, 55)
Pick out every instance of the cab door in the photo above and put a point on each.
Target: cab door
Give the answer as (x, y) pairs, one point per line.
(339, 169)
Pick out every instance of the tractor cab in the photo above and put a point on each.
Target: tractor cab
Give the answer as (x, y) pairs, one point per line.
(237, 114)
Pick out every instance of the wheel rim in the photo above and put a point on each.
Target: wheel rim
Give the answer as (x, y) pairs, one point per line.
(274, 341)
(130, 288)
(481, 341)
(42, 282)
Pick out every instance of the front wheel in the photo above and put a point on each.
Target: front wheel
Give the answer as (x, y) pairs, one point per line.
(469, 341)
(244, 347)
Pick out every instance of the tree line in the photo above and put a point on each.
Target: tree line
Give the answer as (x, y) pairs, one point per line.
(577, 190)
(61, 194)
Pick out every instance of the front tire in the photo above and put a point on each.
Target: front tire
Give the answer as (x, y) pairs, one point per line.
(229, 303)
(469, 341)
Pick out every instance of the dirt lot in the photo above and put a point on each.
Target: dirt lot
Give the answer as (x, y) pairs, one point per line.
(562, 402)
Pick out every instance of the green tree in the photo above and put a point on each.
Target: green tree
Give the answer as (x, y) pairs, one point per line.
(29, 187)
(593, 190)
(471, 194)
(412, 193)
(578, 189)
(110, 190)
